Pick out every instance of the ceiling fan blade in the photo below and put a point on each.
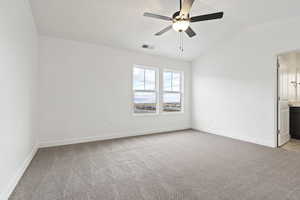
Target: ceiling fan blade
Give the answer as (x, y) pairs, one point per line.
(146, 14)
(217, 15)
(164, 30)
(186, 7)
(190, 32)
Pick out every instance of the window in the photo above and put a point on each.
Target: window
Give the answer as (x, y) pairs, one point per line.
(172, 91)
(146, 96)
(144, 90)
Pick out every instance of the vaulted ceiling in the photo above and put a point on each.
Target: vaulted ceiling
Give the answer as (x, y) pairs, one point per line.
(120, 23)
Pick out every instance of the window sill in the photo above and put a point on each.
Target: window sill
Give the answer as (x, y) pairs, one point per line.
(144, 114)
(172, 113)
(157, 114)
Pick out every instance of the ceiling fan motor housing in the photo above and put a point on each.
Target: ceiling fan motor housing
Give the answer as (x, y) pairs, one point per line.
(176, 16)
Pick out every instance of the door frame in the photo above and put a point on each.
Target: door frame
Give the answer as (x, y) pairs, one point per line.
(277, 101)
(277, 93)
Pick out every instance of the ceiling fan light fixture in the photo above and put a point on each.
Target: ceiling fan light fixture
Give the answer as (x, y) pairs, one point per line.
(181, 19)
(181, 25)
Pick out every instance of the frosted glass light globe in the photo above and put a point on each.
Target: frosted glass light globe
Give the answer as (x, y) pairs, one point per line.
(181, 25)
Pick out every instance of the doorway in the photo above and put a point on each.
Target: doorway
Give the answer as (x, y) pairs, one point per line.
(288, 101)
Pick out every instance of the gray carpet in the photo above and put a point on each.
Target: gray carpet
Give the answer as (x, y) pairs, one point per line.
(175, 166)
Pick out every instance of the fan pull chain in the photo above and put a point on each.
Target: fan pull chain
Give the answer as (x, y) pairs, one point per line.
(181, 43)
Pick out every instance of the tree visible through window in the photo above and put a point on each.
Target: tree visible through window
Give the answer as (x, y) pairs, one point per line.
(145, 90)
(172, 91)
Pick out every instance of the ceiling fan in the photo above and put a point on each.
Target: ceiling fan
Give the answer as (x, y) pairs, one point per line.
(181, 19)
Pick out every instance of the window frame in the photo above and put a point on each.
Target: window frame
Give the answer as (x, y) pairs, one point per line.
(181, 91)
(157, 95)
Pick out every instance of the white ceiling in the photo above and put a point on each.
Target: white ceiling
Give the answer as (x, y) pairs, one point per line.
(120, 23)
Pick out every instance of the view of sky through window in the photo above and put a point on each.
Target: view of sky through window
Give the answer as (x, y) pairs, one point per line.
(172, 81)
(172, 98)
(144, 97)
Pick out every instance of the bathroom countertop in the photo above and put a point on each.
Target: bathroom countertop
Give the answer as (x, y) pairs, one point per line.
(294, 104)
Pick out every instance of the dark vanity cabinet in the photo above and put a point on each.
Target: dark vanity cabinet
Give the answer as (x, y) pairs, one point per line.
(295, 122)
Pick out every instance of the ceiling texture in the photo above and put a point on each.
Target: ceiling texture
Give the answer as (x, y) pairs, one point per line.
(120, 23)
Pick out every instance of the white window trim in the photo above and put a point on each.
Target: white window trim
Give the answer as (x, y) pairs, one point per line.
(157, 87)
(181, 92)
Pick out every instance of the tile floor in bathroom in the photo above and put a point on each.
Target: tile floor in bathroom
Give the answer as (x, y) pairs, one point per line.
(292, 145)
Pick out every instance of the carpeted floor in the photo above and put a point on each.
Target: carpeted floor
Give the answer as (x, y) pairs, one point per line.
(182, 165)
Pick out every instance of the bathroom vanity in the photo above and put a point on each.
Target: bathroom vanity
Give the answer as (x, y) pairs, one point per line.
(295, 121)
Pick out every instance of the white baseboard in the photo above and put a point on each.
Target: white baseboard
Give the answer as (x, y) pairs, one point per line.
(14, 181)
(43, 144)
(236, 137)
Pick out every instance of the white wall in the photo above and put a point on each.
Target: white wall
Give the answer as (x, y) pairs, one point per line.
(234, 86)
(86, 93)
(18, 70)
